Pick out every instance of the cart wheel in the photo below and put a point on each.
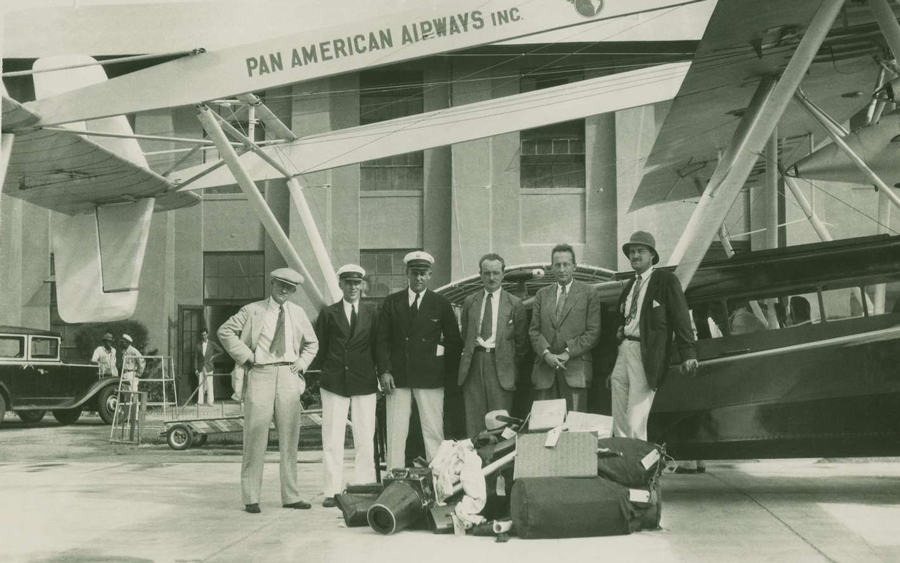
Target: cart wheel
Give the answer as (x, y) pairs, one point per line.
(179, 437)
(199, 440)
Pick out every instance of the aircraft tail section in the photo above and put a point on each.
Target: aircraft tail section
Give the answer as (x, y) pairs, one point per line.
(98, 255)
(98, 258)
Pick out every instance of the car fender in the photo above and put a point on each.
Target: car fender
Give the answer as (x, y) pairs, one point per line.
(94, 389)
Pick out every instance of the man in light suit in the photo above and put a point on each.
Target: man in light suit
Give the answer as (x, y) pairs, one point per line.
(275, 342)
(565, 326)
(495, 339)
(418, 346)
(206, 352)
(349, 381)
(653, 309)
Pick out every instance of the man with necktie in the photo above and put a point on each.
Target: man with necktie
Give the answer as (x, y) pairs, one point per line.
(418, 346)
(495, 339)
(565, 326)
(348, 382)
(275, 342)
(652, 309)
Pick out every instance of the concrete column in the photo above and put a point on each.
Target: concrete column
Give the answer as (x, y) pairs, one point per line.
(601, 224)
(438, 196)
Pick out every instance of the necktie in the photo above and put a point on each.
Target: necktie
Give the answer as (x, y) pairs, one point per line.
(632, 311)
(277, 347)
(487, 320)
(415, 306)
(352, 318)
(560, 302)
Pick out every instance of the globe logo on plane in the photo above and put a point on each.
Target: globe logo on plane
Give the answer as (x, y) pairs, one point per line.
(588, 8)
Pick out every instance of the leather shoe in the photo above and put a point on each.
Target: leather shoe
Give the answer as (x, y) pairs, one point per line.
(300, 504)
(252, 508)
(329, 502)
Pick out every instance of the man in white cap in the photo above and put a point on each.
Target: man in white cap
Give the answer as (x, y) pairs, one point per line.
(204, 366)
(275, 342)
(652, 309)
(418, 347)
(348, 382)
(132, 362)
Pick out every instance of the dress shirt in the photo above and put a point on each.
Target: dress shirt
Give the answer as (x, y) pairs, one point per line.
(262, 355)
(106, 361)
(348, 309)
(495, 312)
(203, 347)
(412, 296)
(633, 328)
(559, 291)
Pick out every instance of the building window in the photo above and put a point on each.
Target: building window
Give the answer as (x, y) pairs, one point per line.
(385, 272)
(384, 96)
(552, 156)
(233, 276)
(66, 331)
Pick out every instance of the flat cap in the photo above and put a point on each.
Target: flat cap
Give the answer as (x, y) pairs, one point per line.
(351, 272)
(127, 339)
(287, 275)
(418, 259)
(107, 336)
(643, 238)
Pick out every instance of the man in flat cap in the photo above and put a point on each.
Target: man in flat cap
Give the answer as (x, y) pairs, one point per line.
(275, 342)
(418, 346)
(105, 357)
(652, 308)
(349, 381)
(565, 326)
(495, 339)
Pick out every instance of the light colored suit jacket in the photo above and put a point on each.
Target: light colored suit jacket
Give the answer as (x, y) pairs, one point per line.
(577, 329)
(512, 336)
(240, 333)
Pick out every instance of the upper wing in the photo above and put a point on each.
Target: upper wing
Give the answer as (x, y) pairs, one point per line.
(745, 40)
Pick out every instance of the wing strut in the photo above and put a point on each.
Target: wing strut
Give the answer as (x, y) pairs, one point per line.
(711, 211)
(300, 203)
(270, 223)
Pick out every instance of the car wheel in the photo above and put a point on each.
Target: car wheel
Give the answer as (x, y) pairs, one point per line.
(107, 401)
(179, 437)
(199, 440)
(2, 408)
(67, 416)
(31, 417)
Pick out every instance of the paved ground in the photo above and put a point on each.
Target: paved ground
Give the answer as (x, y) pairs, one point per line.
(68, 496)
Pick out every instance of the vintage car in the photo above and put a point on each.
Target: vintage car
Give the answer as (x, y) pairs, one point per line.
(33, 380)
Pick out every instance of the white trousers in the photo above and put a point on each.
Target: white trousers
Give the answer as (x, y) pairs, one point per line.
(632, 397)
(334, 426)
(205, 381)
(431, 413)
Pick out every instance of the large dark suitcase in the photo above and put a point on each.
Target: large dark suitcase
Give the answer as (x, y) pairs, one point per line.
(571, 507)
(624, 466)
(355, 501)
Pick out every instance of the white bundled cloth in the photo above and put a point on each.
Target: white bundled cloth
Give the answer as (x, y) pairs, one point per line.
(458, 461)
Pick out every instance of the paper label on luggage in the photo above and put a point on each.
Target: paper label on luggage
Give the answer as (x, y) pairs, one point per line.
(650, 459)
(501, 486)
(638, 495)
(507, 433)
(440, 350)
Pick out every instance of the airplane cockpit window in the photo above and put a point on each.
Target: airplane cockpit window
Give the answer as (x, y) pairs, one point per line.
(884, 297)
(709, 320)
(845, 303)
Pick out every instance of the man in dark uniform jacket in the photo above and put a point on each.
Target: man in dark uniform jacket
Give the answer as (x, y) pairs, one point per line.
(652, 309)
(349, 380)
(418, 345)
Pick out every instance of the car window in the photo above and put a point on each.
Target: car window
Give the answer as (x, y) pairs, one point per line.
(44, 348)
(12, 346)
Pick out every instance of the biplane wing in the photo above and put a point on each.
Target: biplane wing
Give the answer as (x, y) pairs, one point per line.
(744, 41)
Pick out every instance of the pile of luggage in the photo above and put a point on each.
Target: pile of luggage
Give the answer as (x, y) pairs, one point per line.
(545, 477)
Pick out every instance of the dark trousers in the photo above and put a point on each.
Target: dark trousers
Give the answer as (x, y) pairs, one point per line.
(576, 399)
(482, 392)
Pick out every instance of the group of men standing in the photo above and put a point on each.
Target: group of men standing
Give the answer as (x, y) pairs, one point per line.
(413, 345)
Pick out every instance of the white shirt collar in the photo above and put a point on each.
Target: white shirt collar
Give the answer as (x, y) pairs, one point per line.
(495, 293)
(412, 294)
(646, 275)
(272, 304)
(568, 287)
